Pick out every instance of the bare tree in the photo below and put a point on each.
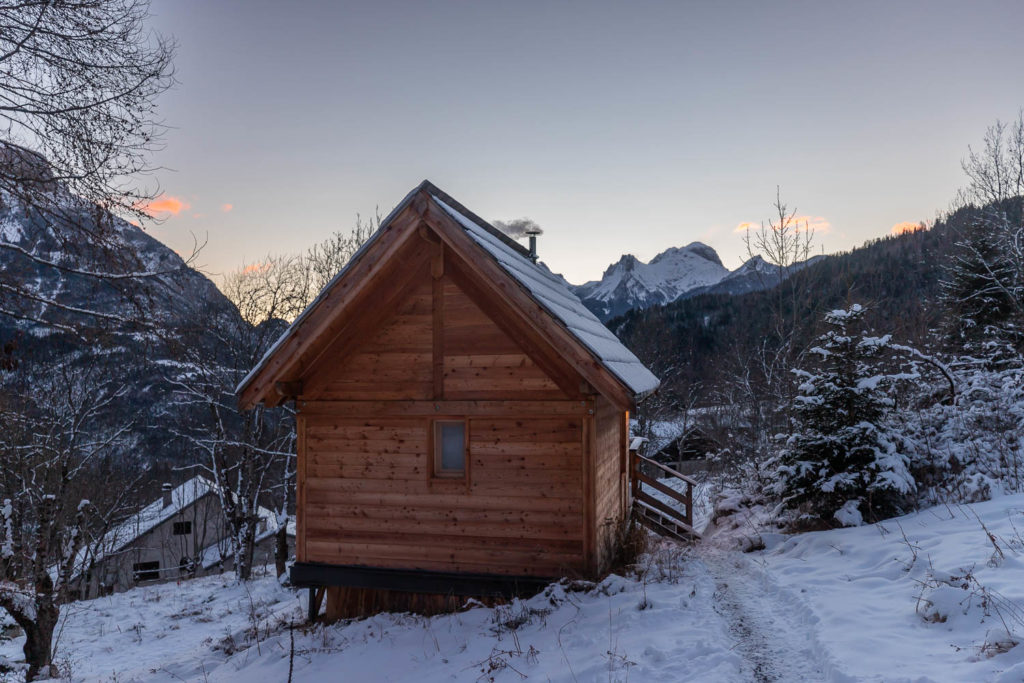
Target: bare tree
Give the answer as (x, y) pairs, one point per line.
(55, 505)
(241, 453)
(277, 288)
(761, 378)
(78, 84)
(785, 243)
(326, 259)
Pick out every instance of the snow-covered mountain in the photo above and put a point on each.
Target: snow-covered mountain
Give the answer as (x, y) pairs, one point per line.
(755, 274)
(676, 273)
(630, 283)
(135, 329)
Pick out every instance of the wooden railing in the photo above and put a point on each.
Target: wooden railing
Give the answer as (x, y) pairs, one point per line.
(639, 479)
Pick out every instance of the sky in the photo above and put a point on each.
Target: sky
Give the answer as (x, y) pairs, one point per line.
(619, 127)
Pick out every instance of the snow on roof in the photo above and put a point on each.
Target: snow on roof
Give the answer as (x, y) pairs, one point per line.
(154, 514)
(548, 290)
(142, 522)
(557, 299)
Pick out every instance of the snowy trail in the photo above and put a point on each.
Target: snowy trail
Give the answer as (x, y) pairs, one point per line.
(775, 630)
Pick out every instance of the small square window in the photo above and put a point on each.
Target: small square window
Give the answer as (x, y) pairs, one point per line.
(450, 449)
(182, 528)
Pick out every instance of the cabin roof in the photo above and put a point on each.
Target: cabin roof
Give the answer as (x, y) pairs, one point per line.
(549, 291)
(553, 294)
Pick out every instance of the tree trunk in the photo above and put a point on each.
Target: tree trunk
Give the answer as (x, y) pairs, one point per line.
(246, 550)
(281, 550)
(39, 642)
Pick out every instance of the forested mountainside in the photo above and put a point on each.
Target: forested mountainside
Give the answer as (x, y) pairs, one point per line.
(132, 331)
(699, 342)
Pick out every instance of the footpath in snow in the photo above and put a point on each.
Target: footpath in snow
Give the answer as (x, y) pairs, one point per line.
(774, 630)
(933, 596)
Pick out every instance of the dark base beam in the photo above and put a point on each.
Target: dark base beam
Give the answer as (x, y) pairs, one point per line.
(316, 575)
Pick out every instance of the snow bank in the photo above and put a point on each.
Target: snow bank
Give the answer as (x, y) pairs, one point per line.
(929, 596)
(658, 626)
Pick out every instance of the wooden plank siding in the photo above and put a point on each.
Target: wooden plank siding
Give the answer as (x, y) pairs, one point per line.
(482, 362)
(368, 495)
(609, 482)
(395, 360)
(369, 498)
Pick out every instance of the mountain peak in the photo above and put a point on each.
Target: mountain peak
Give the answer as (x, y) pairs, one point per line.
(631, 283)
(696, 248)
(627, 263)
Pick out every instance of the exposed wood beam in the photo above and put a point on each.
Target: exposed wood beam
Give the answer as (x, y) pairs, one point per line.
(287, 390)
(286, 359)
(437, 326)
(360, 325)
(492, 275)
(538, 409)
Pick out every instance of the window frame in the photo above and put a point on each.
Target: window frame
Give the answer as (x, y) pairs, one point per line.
(437, 472)
(185, 526)
(146, 571)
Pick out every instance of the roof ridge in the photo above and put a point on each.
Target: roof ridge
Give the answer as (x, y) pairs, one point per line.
(437, 192)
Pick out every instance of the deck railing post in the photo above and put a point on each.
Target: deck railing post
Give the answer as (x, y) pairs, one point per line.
(634, 467)
(689, 504)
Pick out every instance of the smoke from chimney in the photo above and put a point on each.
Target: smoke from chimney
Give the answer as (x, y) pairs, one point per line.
(520, 227)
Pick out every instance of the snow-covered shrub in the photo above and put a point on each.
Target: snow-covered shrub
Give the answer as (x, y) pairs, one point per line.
(845, 460)
(967, 450)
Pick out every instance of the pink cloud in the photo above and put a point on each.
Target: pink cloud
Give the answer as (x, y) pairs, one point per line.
(164, 204)
(226, 208)
(803, 222)
(256, 267)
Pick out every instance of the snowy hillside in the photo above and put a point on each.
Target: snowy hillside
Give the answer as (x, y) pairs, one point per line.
(134, 327)
(631, 283)
(933, 596)
(754, 275)
(167, 292)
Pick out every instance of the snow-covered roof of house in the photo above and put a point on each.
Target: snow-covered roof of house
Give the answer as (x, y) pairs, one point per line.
(549, 291)
(554, 295)
(142, 522)
(154, 514)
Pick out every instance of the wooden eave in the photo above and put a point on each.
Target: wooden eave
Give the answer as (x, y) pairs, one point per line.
(279, 376)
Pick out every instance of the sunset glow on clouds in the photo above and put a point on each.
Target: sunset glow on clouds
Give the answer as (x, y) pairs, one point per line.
(164, 205)
(801, 223)
(256, 268)
(226, 207)
(907, 226)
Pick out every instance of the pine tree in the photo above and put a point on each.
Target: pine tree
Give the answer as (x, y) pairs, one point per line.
(984, 284)
(844, 461)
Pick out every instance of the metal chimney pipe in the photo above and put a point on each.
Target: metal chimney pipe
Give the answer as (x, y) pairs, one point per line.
(167, 488)
(532, 233)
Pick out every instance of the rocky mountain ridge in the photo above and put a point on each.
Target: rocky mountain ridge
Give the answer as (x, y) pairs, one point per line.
(674, 274)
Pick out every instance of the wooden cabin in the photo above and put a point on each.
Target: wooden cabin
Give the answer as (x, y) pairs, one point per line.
(462, 418)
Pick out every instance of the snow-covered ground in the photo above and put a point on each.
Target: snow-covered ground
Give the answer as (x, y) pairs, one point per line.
(933, 596)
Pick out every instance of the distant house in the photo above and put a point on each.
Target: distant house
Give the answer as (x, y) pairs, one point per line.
(462, 418)
(687, 452)
(181, 535)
